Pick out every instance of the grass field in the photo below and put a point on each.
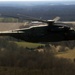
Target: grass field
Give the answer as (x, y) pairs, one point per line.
(70, 54)
(29, 45)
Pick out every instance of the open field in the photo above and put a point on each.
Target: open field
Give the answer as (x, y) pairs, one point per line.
(29, 45)
(10, 26)
(69, 54)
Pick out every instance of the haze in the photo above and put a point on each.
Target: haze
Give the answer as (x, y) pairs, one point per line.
(36, 0)
(32, 3)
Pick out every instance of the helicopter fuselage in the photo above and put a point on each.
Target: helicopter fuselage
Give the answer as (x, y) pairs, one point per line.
(49, 33)
(43, 33)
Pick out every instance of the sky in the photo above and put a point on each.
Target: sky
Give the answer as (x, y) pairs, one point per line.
(37, 0)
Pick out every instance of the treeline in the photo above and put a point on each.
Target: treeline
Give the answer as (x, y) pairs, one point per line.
(66, 12)
(2, 19)
(15, 60)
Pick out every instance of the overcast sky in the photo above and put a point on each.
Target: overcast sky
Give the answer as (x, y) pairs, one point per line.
(37, 0)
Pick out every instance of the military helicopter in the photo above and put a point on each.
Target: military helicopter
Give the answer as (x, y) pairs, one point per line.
(43, 31)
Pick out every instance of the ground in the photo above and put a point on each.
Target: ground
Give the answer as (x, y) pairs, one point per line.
(70, 54)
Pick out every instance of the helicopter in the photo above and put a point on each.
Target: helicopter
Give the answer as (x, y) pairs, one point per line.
(43, 31)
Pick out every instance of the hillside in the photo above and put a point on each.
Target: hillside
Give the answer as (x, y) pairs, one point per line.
(66, 12)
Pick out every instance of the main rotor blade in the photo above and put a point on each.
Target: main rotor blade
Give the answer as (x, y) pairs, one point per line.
(65, 24)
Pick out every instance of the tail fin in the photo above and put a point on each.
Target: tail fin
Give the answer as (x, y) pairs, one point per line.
(56, 19)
